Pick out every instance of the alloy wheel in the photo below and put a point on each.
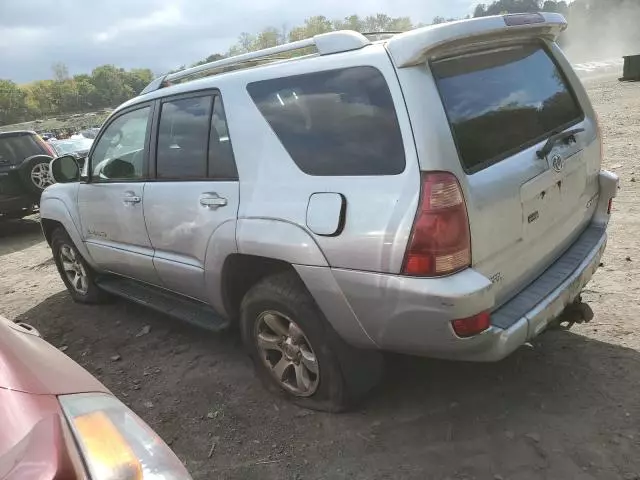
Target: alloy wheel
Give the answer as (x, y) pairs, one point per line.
(74, 270)
(287, 353)
(41, 175)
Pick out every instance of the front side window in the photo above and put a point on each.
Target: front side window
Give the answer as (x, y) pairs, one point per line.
(183, 136)
(334, 123)
(120, 151)
(501, 101)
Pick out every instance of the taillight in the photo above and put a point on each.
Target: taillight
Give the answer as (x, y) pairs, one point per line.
(468, 327)
(46, 146)
(440, 243)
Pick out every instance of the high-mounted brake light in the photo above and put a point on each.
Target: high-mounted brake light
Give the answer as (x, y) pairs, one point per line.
(516, 19)
(440, 243)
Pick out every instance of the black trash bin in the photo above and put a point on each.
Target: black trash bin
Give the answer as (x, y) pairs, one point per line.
(631, 72)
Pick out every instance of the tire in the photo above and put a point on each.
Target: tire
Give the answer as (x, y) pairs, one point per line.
(279, 313)
(72, 266)
(36, 175)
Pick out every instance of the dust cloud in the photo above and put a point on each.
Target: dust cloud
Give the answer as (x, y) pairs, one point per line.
(602, 30)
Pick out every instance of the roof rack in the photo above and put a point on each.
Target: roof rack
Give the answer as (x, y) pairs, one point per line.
(385, 35)
(325, 44)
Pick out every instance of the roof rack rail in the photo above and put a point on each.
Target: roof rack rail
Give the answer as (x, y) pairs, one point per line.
(385, 35)
(325, 44)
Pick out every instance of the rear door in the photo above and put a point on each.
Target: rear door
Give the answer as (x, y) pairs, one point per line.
(194, 190)
(525, 208)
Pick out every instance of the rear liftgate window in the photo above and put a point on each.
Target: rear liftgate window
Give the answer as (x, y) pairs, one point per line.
(502, 101)
(334, 123)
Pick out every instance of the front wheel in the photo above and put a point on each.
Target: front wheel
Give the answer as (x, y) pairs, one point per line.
(76, 274)
(297, 353)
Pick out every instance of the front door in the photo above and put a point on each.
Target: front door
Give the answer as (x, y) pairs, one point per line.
(194, 192)
(111, 203)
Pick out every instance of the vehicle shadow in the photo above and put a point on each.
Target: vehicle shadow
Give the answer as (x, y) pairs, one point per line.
(16, 235)
(562, 407)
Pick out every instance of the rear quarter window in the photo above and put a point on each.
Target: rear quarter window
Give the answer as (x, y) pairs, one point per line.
(502, 101)
(334, 123)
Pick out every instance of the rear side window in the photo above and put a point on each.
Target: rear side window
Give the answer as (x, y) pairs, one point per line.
(183, 136)
(222, 165)
(334, 123)
(502, 101)
(15, 148)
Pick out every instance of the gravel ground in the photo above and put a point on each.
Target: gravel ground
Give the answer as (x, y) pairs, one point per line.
(567, 407)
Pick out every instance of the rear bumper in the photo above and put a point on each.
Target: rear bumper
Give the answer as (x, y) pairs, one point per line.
(413, 315)
(14, 204)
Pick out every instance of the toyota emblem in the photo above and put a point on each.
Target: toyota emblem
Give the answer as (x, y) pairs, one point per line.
(557, 162)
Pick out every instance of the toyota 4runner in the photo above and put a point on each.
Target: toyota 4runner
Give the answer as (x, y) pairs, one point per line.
(436, 192)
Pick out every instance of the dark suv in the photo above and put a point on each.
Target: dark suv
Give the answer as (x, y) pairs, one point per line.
(24, 172)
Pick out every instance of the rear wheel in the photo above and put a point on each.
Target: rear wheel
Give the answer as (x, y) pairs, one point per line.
(297, 353)
(76, 274)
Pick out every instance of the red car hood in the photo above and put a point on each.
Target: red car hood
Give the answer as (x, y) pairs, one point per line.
(31, 365)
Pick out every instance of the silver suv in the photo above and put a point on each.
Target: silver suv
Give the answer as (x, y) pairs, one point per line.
(436, 192)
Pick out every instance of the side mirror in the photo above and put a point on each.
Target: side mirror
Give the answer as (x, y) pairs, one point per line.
(65, 169)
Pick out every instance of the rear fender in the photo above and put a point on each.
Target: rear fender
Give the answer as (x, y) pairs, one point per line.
(29, 160)
(291, 243)
(280, 240)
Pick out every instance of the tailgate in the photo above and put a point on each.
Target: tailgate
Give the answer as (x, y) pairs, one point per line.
(526, 204)
(484, 98)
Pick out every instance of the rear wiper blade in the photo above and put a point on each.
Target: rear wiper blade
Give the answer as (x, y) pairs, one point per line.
(553, 139)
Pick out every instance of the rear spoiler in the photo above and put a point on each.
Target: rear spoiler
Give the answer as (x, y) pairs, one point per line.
(417, 46)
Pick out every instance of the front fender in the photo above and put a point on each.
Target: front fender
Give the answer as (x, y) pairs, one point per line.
(54, 208)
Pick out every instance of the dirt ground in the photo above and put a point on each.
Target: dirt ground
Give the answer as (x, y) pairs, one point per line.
(567, 407)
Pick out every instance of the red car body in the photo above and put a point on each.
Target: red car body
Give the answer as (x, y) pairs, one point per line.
(36, 439)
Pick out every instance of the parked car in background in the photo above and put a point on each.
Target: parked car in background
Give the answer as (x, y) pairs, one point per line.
(90, 133)
(24, 172)
(438, 192)
(76, 145)
(59, 422)
(46, 136)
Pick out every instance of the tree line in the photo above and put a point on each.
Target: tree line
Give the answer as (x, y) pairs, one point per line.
(108, 85)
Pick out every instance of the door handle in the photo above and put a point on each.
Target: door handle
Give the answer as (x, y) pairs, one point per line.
(130, 199)
(212, 201)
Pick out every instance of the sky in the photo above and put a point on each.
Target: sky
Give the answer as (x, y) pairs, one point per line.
(162, 34)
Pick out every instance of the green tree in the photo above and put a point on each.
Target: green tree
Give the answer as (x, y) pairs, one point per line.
(13, 106)
(269, 37)
(138, 78)
(111, 87)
